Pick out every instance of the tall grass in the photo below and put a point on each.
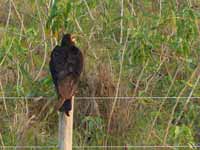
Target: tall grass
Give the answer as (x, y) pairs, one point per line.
(131, 48)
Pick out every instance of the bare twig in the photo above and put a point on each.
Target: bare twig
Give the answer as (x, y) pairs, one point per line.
(23, 128)
(91, 16)
(45, 44)
(4, 100)
(9, 13)
(157, 70)
(161, 105)
(189, 97)
(140, 77)
(174, 108)
(132, 8)
(2, 143)
(18, 15)
(78, 25)
(118, 83)
(121, 21)
(160, 8)
(7, 51)
(18, 78)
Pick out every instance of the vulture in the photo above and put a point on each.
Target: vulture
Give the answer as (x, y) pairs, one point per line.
(66, 65)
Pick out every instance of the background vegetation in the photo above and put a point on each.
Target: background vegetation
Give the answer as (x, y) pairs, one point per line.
(146, 48)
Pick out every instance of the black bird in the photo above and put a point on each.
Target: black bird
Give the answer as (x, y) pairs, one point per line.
(66, 65)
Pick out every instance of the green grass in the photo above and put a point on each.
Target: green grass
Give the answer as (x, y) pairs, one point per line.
(158, 41)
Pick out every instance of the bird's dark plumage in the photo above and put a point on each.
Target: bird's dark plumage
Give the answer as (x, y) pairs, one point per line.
(66, 65)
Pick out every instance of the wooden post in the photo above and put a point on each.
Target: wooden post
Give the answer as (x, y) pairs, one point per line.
(66, 129)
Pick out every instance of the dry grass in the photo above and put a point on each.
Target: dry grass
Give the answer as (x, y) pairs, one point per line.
(143, 48)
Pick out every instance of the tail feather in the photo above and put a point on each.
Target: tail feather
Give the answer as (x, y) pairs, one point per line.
(66, 107)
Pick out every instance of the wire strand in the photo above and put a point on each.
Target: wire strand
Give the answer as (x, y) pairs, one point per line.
(97, 98)
(92, 147)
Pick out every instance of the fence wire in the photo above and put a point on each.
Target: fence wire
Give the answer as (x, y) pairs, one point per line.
(112, 147)
(103, 97)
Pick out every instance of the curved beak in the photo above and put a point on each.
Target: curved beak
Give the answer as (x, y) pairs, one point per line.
(73, 39)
